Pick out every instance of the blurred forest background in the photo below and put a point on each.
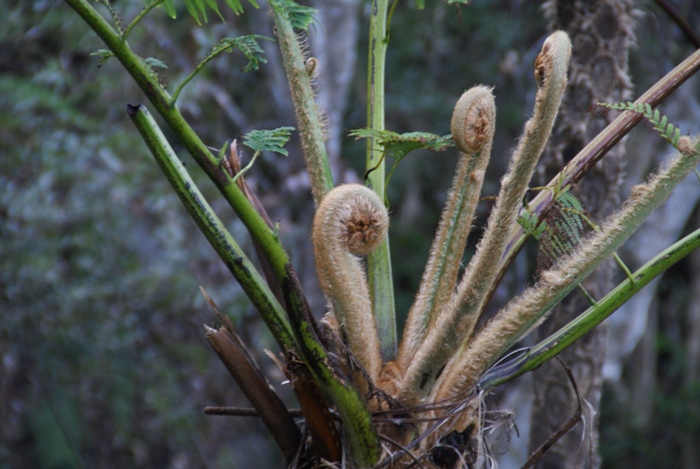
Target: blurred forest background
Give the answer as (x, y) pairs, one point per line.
(103, 357)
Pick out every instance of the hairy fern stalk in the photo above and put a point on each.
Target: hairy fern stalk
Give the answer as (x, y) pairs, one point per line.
(363, 404)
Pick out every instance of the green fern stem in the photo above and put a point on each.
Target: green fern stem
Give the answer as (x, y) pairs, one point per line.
(147, 9)
(213, 229)
(358, 429)
(379, 262)
(161, 101)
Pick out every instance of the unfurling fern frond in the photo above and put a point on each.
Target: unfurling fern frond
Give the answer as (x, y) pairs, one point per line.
(558, 230)
(668, 131)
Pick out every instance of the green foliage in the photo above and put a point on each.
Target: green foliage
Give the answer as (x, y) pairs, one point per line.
(57, 428)
(399, 145)
(666, 129)
(300, 17)
(168, 5)
(103, 56)
(153, 63)
(198, 8)
(248, 45)
(268, 140)
(560, 229)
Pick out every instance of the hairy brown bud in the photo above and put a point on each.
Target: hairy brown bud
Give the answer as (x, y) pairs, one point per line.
(473, 119)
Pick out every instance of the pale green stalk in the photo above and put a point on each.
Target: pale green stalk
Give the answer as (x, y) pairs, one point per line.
(147, 9)
(379, 262)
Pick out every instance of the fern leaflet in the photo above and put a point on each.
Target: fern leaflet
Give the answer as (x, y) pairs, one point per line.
(668, 131)
(268, 140)
(300, 17)
(399, 145)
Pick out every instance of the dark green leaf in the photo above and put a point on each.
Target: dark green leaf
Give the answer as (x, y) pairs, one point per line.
(399, 145)
(236, 6)
(268, 140)
(193, 10)
(214, 6)
(170, 8)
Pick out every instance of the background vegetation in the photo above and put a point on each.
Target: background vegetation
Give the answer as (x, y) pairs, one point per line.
(104, 363)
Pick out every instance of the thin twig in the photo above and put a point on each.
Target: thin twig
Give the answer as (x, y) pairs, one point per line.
(404, 449)
(564, 429)
(244, 411)
(688, 30)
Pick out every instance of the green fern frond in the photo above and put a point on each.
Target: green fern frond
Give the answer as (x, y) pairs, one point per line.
(152, 63)
(572, 211)
(103, 55)
(198, 8)
(168, 6)
(531, 224)
(248, 45)
(557, 231)
(300, 17)
(268, 140)
(399, 145)
(668, 131)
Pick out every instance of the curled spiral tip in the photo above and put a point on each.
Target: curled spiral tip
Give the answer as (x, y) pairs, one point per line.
(553, 58)
(361, 219)
(350, 221)
(473, 119)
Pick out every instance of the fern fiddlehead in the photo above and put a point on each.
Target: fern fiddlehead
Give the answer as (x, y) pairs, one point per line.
(473, 124)
(459, 316)
(527, 310)
(351, 221)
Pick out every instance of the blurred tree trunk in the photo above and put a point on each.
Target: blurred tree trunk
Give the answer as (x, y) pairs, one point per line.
(601, 34)
(334, 45)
